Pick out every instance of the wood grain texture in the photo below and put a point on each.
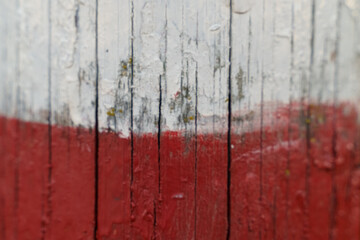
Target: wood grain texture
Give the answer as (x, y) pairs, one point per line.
(177, 149)
(33, 97)
(72, 90)
(114, 114)
(148, 24)
(246, 162)
(157, 119)
(211, 159)
(9, 160)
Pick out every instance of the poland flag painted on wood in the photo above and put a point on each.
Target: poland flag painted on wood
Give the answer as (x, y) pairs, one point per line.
(189, 119)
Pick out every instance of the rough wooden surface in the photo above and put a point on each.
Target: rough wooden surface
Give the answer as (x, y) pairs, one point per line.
(191, 119)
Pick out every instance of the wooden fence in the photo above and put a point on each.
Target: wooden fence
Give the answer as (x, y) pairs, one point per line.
(179, 119)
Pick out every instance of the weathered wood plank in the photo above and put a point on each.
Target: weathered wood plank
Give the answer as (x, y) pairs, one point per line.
(9, 106)
(320, 120)
(297, 159)
(72, 109)
(177, 139)
(275, 126)
(114, 116)
(148, 25)
(211, 112)
(33, 104)
(275, 63)
(157, 119)
(245, 189)
(346, 83)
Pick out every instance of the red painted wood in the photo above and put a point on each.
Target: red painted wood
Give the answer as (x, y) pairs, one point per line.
(73, 184)
(145, 186)
(211, 187)
(320, 179)
(114, 187)
(347, 176)
(270, 161)
(176, 211)
(280, 217)
(9, 193)
(2, 175)
(297, 209)
(297, 213)
(245, 186)
(275, 149)
(33, 180)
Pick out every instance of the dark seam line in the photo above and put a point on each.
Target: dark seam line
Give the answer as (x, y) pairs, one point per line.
(248, 81)
(159, 133)
(229, 131)
(334, 137)
(159, 127)
(196, 122)
(132, 114)
(18, 113)
(159, 157)
(261, 131)
(154, 226)
(289, 117)
(46, 218)
(17, 141)
(249, 50)
(196, 146)
(182, 63)
(96, 201)
(261, 147)
(308, 116)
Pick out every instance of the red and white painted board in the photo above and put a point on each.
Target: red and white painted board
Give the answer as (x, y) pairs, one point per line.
(158, 119)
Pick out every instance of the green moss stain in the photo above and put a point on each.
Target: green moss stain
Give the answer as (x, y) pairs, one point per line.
(111, 112)
(239, 81)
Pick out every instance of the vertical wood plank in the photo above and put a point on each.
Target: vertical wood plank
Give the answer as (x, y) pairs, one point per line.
(240, 116)
(298, 162)
(320, 119)
(270, 139)
(10, 64)
(162, 81)
(73, 114)
(2, 175)
(275, 116)
(177, 151)
(212, 63)
(148, 29)
(33, 106)
(246, 120)
(346, 86)
(114, 116)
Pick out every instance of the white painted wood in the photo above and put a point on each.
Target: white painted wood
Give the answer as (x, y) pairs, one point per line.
(247, 65)
(301, 51)
(33, 93)
(212, 59)
(322, 63)
(114, 39)
(174, 40)
(73, 62)
(240, 62)
(348, 57)
(180, 77)
(148, 39)
(277, 77)
(10, 17)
